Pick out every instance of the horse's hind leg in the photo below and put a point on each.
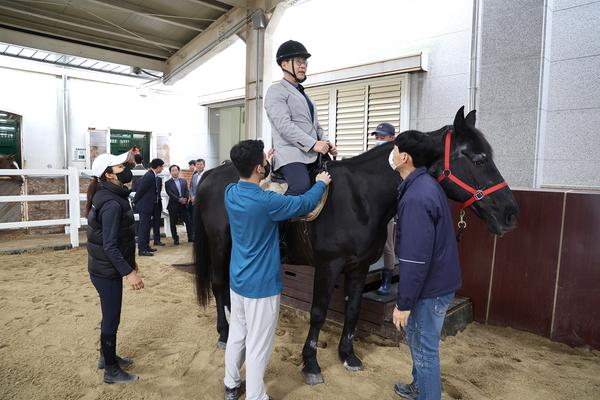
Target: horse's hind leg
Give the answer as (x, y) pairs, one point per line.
(223, 301)
(353, 290)
(325, 277)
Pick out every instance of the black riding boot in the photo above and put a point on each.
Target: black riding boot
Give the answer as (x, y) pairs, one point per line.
(112, 372)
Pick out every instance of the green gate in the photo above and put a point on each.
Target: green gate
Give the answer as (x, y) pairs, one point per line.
(10, 135)
(122, 140)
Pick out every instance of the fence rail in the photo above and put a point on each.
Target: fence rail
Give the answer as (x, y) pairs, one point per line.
(72, 195)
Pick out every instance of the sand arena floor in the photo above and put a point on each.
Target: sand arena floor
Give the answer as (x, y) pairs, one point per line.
(49, 319)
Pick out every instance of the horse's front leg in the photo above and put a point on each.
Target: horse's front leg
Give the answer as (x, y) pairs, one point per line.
(353, 290)
(324, 282)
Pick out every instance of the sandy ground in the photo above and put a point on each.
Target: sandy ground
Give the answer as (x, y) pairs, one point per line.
(49, 318)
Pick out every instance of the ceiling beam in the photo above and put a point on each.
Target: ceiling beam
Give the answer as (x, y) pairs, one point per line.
(236, 3)
(218, 36)
(144, 12)
(88, 25)
(78, 50)
(212, 5)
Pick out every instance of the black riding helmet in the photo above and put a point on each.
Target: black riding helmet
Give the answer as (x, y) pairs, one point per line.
(291, 49)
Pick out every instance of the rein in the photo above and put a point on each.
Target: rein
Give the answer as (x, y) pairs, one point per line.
(477, 195)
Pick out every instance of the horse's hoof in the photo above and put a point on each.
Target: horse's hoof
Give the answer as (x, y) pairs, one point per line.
(313, 379)
(221, 345)
(353, 363)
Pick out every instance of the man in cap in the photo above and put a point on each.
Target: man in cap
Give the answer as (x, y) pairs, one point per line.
(385, 133)
(297, 136)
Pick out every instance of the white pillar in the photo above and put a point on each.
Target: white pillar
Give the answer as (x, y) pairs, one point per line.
(259, 62)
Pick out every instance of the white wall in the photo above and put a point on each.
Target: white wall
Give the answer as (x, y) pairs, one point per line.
(346, 33)
(37, 96)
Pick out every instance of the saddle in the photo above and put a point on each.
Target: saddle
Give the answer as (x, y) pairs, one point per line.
(276, 182)
(294, 235)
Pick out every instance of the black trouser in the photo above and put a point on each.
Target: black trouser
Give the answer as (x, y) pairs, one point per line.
(111, 297)
(296, 176)
(146, 220)
(180, 210)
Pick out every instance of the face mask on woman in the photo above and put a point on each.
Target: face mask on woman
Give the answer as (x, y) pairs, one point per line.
(125, 176)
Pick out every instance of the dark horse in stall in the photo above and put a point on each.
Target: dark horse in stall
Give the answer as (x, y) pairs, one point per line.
(9, 162)
(350, 232)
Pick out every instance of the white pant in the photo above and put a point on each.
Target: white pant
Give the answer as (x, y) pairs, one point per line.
(251, 333)
(389, 260)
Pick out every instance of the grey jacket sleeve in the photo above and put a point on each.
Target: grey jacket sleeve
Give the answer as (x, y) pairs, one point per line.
(279, 114)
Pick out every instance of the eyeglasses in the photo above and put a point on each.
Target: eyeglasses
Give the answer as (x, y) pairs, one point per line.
(300, 62)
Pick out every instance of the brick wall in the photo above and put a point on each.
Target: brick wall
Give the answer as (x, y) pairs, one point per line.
(41, 210)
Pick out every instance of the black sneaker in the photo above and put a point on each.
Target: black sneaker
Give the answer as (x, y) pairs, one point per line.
(114, 374)
(406, 390)
(176, 242)
(232, 394)
(145, 254)
(158, 243)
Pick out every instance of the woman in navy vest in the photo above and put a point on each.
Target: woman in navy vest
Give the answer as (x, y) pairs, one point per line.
(111, 254)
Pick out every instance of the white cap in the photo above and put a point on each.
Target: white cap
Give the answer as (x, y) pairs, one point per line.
(104, 161)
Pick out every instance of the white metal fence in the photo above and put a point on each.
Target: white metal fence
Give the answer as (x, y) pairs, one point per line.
(72, 195)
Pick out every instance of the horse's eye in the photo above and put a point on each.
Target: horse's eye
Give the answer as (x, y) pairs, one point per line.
(479, 159)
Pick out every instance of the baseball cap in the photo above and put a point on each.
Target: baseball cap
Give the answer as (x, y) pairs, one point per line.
(384, 128)
(104, 161)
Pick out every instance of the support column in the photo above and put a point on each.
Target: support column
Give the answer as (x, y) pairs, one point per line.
(259, 63)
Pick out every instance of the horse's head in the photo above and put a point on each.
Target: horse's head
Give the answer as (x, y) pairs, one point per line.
(470, 176)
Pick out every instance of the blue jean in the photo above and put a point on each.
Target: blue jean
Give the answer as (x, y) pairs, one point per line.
(423, 336)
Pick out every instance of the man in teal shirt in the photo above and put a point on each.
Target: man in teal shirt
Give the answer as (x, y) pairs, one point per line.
(255, 267)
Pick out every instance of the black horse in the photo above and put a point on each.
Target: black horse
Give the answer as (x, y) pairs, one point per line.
(350, 232)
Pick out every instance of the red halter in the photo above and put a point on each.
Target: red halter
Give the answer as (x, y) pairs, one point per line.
(447, 173)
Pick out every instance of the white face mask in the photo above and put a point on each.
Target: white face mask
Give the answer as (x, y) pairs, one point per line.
(391, 160)
(380, 142)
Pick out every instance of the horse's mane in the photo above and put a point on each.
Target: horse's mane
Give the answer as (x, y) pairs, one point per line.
(369, 155)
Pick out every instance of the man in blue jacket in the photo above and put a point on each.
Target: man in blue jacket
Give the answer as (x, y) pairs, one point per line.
(255, 267)
(428, 264)
(149, 205)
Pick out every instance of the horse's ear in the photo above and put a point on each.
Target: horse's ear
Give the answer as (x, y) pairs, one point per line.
(470, 119)
(459, 119)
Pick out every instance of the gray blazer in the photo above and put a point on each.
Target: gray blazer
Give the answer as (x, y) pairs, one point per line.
(294, 132)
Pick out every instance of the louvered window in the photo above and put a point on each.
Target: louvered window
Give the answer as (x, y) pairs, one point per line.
(358, 107)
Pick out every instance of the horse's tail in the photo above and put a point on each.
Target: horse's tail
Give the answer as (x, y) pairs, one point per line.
(202, 263)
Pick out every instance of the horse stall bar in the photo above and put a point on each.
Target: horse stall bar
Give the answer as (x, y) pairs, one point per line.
(376, 310)
(72, 196)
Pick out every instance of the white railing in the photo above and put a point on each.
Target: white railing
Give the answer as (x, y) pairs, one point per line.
(72, 195)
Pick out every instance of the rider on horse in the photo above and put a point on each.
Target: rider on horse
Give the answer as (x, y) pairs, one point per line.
(297, 136)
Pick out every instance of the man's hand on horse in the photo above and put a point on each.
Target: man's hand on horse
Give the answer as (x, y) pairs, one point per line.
(400, 318)
(321, 146)
(269, 156)
(332, 149)
(324, 177)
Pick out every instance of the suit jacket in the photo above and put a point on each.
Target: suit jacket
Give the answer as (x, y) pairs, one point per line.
(293, 129)
(147, 191)
(136, 178)
(196, 176)
(174, 196)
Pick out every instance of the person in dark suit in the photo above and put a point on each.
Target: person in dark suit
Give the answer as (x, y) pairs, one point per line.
(178, 198)
(138, 166)
(149, 205)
